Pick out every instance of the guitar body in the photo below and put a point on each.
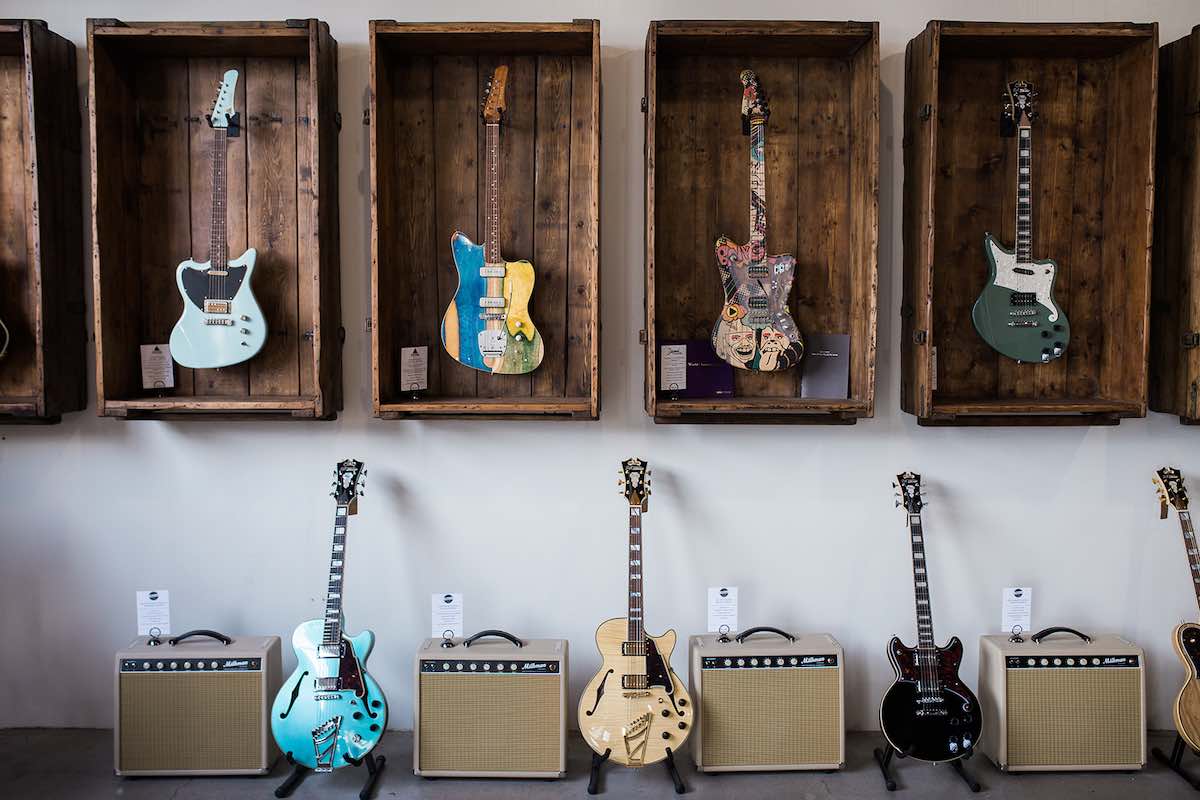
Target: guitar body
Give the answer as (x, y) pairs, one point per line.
(327, 728)
(1187, 705)
(631, 722)
(944, 728)
(509, 346)
(756, 329)
(1016, 313)
(203, 340)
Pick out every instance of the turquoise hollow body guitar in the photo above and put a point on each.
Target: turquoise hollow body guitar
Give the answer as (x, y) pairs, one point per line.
(1016, 313)
(221, 324)
(330, 713)
(487, 325)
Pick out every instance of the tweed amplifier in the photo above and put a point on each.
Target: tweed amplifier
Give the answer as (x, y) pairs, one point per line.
(1063, 704)
(490, 709)
(196, 706)
(767, 704)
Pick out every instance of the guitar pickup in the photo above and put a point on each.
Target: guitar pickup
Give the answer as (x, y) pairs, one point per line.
(218, 273)
(633, 648)
(491, 302)
(493, 315)
(491, 271)
(216, 306)
(635, 682)
(327, 684)
(226, 321)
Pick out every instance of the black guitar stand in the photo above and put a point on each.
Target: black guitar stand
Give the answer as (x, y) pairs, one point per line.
(299, 771)
(884, 762)
(598, 761)
(1174, 762)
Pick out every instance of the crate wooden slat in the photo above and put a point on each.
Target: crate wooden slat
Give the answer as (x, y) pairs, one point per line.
(1175, 295)
(43, 375)
(151, 87)
(427, 181)
(1094, 152)
(822, 80)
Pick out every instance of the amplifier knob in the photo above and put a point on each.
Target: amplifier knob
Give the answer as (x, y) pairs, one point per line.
(174, 665)
(487, 667)
(741, 662)
(458, 666)
(445, 666)
(1058, 662)
(474, 667)
(1095, 662)
(159, 665)
(500, 667)
(1045, 661)
(512, 667)
(754, 662)
(145, 665)
(1070, 662)
(187, 665)
(794, 661)
(728, 662)
(779, 662)
(212, 665)
(1031, 661)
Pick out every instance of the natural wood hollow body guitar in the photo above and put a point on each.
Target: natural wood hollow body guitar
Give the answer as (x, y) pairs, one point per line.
(1186, 638)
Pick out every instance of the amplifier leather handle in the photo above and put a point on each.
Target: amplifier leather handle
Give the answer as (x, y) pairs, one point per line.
(1044, 632)
(497, 633)
(763, 629)
(220, 637)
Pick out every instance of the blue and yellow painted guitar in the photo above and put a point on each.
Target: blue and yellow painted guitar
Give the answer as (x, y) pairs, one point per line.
(221, 324)
(330, 712)
(487, 325)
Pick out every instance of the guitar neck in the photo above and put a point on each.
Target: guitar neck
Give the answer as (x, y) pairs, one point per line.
(333, 599)
(1024, 243)
(758, 183)
(637, 631)
(921, 584)
(1189, 543)
(218, 246)
(491, 245)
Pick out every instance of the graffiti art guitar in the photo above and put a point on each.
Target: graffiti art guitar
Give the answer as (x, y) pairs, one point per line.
(928, 713)
(756, 330)
(330, 712)
(1016, 313)
(635, 710)
(487, 325)
(1186, 636)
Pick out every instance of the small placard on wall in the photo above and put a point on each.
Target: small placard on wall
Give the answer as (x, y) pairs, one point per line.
(722, 608)
(153, 611)
(673, 376)
(414, 369)
(1017, 609)
(158, 370)
(447, 614)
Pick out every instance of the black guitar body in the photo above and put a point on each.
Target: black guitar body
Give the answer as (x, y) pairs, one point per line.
(930, 726)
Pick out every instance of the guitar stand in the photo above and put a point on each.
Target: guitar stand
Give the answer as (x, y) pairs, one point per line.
(299, 771)
(884, 762)
(598, 761)
(1174, 762)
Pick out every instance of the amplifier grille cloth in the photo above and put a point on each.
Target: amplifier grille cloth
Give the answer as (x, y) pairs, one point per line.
(760, 718)
(192, 721)
(1062, 717)
(491, 723)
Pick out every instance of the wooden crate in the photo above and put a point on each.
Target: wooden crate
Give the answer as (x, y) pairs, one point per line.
(822, 81)
(41, 227)
(152, 85)
(1175, 294)
(1093, 190)
(427, 181)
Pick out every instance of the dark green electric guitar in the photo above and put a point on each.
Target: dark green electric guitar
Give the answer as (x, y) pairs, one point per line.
(1016, 313)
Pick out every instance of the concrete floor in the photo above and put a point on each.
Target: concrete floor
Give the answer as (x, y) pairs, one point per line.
(77, 764)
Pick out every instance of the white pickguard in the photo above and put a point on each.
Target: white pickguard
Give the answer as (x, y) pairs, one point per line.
(199, 345)
(1039, 284)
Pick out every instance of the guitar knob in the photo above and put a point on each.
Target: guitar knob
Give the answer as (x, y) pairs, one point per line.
(682, 726)
(245, 318)
(666, 735)
(682, 702)
(666, 712)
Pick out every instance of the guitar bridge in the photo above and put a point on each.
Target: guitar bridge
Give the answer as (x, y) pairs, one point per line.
(226, 322)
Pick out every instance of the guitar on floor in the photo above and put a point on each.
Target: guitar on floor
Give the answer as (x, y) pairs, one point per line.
(1186, 636)
(756, 330)
(221, 324)
(330, 712)
(928, 713)
(487, 325)
(1016, 313)
(635, 710)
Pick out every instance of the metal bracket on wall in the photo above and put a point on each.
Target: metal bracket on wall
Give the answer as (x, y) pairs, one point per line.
(645, 105)
(366, 116)
(919, 337)
(926, 112)
(1191, 340)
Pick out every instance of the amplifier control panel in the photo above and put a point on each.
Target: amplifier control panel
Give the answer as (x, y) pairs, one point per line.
(1070, 662)
(192, 665)
(742, 661)
(488, 667)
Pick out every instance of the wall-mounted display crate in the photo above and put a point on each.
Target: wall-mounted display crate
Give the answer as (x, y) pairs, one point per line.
(822, 172)
(1093, 196)
(1175, 295)
(43, 374)
(152, 86)
(427, 181)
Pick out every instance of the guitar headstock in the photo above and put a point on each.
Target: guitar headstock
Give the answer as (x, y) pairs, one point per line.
(754, 100)
(1169, 482)
(222, 115)
(908, 492)
(635, 482)
(349, 480)
(1020, 107)
(493, 95)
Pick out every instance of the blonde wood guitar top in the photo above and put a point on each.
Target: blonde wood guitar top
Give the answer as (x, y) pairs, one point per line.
(1187, 705)
(636, 724)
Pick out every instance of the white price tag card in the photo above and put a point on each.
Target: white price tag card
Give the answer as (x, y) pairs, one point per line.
(414, 369)
(447, 614)
(158, 370)
(153, 611)
(722, 608)
(674, 367)
(1017, 609)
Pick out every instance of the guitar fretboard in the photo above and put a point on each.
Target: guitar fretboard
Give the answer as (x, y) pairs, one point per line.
(637, 631)
(1189, 543)
(218, 244)
(758, 182)
(491, 245)
(333, 600)
(1024, 242)
(928, 680)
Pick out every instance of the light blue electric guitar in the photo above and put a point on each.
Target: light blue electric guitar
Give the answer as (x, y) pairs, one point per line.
(330, 712)
(222, 324)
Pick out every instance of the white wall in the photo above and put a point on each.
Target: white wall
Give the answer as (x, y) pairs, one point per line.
(232, 518)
